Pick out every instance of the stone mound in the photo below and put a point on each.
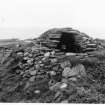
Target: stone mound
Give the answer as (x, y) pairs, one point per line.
(68, 40)
(49, 70)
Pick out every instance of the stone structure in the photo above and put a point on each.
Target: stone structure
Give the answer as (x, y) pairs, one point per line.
(68, 40)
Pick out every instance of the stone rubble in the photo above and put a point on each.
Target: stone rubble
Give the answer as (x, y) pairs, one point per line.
(39, 71)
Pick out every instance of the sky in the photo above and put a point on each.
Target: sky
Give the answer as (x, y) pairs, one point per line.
(29, 18)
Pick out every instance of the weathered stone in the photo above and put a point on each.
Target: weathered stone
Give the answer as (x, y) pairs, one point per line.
(30, 55)
(78, 70)
(26, 58)
(20, 54)
(65, 64)
(64, 101)
(53, 60)
(73, 79)
(37, 66)
(70, 54)
(27, 85)
(33, 72)
(68, 72)
(52, 73)
(63, 86)
(52, 53)
(30, 61)
(26, 54)
(37, 91)
(32, 79)
(80, 90)
(64, 80)
(47, 54)
(55, 86)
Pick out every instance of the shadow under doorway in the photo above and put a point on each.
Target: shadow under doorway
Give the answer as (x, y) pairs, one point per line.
(68, 43)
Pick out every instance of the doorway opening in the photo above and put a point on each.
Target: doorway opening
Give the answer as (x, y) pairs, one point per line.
(68, 43)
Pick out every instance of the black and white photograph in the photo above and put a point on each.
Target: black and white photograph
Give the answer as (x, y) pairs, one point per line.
(52, 51)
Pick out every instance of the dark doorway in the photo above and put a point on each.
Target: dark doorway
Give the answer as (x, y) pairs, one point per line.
(68, 43)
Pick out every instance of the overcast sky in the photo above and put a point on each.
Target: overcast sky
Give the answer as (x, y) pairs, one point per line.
(29, 18)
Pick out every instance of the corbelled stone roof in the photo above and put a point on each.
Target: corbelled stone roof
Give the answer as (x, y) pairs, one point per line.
(52, 38)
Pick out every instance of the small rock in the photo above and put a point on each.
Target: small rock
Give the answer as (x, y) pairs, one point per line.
(30, 61)
(65, 64)
(55, 86)
(68, 72)
(43, 59)
(37, 91)
(40, 62)
(21, 73)
(64, 101)
(53, 60)
(64, 80)
(32, 79)
(27, 85)
(82, 70)
(26, 58)
(63, 86)
(20, 54)
(52, 53)
(53, 73)
(47, 54)
(37, 67)
(18, 71)
(73, 79)
(57, 94)
(30, 55)
(80, 90)
(26, 54)
(70, 54)
(33, 49)
(33, 72)
(78, 70)
(41, 65)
